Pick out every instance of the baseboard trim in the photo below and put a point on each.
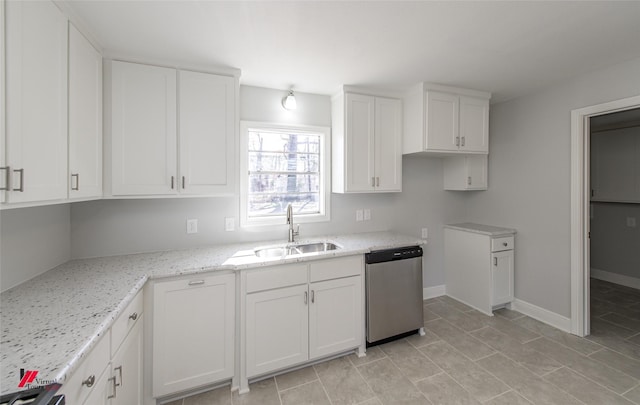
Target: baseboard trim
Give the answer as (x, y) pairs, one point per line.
(615, 278)
(435, 291)
(543, 315)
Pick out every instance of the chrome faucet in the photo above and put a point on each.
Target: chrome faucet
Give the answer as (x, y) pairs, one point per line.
(292, 233)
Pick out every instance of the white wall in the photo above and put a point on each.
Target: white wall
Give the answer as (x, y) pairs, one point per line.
(614, 245)
(32, 241)
(529, 174)
(424, 203)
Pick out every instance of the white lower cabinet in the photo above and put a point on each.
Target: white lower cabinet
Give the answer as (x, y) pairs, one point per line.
(479, 265)
(300, 312)
(335, 316)
(277, 329)
(501, 277)
(193, 332)
(111, 373)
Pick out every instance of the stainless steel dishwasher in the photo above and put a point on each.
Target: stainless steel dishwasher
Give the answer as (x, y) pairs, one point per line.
(393, 279)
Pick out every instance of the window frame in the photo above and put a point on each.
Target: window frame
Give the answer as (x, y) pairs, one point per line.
(324, 172)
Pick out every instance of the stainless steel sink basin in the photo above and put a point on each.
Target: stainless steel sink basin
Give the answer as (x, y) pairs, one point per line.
(316, 247)
(283, 251)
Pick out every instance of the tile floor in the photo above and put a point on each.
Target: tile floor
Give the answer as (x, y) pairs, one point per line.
(469, 358)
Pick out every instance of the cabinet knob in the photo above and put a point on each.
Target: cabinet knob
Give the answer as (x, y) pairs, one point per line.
(504, 244)
(89, 381)
(133, 316)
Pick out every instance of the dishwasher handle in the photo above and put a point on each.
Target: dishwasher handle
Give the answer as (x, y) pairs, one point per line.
(388, 255)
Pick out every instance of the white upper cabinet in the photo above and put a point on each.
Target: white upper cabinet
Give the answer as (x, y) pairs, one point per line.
(143, 129)
(468, 172)
(367, 141)
(207, 129)
(85, 117)
(36, 102)
(172, 132)
(444, 120)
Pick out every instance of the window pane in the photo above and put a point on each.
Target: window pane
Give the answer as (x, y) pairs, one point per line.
(283, 183)
(283, 142)
(283, 162)
(276, 204)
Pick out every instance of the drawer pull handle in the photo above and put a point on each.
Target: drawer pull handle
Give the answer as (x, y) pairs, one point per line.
(89, 381)
(198, 282)
(495, 261)
(7, 175)
(119, 369)
(21, 188)
(133, 316)
(113, 379)
(306, 297)
(505, 244)
(313, 296)
(77, 176)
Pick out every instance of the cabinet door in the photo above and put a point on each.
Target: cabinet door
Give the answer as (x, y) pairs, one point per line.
(442, 121)
(335, 316)
(502, 277)
(474, 124)
(36, 86)
(85, 117)
(126, 368)
(359, 143)
(144, 148)
(102, 391)
(277, 331)
(193, 332)
(207, 133)
(388, 144)
(465, 172)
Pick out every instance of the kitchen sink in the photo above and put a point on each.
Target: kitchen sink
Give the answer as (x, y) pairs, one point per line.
(292, 250)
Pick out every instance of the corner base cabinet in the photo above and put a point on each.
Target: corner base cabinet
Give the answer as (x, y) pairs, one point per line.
(300, 312)
(193, 332)
(479, 265)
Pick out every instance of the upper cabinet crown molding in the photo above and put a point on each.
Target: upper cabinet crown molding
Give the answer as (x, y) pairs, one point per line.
(443, 120)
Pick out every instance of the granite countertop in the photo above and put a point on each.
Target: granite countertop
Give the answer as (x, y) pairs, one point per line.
(489, 230)
(51, 322)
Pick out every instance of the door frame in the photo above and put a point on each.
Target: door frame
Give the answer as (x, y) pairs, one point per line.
(580, 199)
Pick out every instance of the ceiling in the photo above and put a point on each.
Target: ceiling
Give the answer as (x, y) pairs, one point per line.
(507, 48)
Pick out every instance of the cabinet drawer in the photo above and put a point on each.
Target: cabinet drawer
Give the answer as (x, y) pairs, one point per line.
(125, 322)
(335, 268)
(498, 244)
(276, 277)
(89, 370)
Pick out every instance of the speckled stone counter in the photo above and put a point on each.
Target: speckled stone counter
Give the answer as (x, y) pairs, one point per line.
(493, 231)
(51, 322)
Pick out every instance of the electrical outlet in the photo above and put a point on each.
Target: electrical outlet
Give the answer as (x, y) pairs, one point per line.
(192, 226)
(631, 222)
(425, 233)
(359, 215)
(230, 224)
(367, 214)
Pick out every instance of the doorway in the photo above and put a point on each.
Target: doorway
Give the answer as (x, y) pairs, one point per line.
(580, 207)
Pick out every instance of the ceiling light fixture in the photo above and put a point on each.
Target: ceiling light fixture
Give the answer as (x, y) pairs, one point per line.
(289, 102)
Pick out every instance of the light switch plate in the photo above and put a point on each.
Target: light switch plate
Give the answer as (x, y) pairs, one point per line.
(367, 214)
(192, 226)
(230, 224)
(425, 233)
(359, 215)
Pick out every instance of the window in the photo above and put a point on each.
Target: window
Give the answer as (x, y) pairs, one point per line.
(283, 165)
